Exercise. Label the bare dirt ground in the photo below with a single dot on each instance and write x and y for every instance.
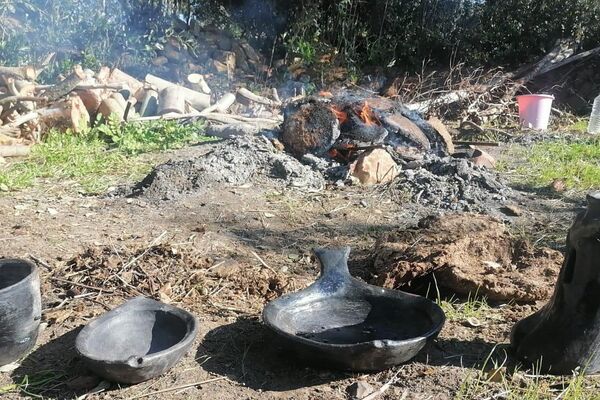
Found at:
(222, 253)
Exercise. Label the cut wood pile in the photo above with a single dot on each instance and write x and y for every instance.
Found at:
(28, 110)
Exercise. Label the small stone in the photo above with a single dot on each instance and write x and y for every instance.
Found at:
(375, 166)
(511, 211)
(413, 164)
(226, 268)
(52, 211)
(3, 188)
(359, 390)
(558, 186)
(159, 61)
(278, 145)
(83, 383)
(483, 159)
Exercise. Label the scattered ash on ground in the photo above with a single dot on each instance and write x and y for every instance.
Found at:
(452, 184)
(443, 183)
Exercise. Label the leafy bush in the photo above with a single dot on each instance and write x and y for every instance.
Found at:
(88, 32)
(141, 137)
(409, 32)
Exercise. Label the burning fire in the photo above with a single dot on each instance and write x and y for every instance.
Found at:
(366, 114)
(340, 115)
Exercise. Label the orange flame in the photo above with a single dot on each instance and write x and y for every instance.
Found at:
(366, 114)
(340, 115)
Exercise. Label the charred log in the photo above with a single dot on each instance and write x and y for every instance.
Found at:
(310, 126)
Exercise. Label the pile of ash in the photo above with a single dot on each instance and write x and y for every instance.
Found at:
(233, 162)
(452, 184)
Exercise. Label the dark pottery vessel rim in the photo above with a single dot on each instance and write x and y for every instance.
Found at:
(379, 343)
(152, 305)
(23, 281)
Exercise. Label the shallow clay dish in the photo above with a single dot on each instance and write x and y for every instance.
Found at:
(344, 323)
(136, 341)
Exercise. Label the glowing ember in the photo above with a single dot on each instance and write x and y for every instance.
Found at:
(366, 114)
(340, 115)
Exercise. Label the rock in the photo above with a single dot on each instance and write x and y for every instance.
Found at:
(441, 129)
(160, 61)
(359, 390)
(558, 186)
(483, 159)
(512, 210)
(226, 268)
(375, 166)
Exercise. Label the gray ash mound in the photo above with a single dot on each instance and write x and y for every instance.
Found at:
(444, 183)
(453, 184)
(233, 162)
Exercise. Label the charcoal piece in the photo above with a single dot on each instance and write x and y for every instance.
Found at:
(309, 126)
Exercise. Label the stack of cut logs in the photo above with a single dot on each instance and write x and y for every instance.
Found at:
(28, 110)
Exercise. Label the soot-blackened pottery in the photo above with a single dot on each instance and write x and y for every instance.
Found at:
(20, 308)
(137, 341)
(343, 323)
(564, 335)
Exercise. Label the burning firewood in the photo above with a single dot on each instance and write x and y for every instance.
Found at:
(310, 126)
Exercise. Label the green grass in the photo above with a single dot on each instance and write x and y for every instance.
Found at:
(579, 126)
(99, 158)
(577, 164)
(494, 381)
(473, 307)
(34, 385)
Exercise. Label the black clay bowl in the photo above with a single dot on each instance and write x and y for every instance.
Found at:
(136, 341)
(343, 323)
(20, 308)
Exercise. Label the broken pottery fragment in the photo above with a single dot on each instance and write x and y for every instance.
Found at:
(565, 333)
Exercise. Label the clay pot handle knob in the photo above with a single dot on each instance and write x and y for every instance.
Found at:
(334, 262)
(135, 361)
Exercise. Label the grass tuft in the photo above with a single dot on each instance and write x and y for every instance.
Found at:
(100, 157)
(577, 164)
